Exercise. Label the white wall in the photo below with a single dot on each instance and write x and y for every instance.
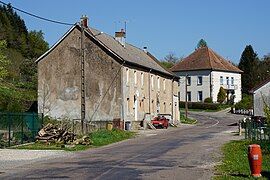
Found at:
(216, 84)
(263, 92)
(194, 87)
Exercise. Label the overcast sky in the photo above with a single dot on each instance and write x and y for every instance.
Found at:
(163, 25)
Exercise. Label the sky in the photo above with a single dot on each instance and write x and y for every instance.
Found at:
(163, 26)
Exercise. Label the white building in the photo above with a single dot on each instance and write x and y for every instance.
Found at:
(206, 72)
(261, 95)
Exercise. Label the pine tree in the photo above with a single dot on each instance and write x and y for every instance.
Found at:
(202, 43)
(249, 64)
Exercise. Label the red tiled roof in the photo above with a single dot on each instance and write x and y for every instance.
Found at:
(205, 59)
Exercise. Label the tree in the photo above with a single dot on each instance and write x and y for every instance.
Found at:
(3, 60)
(202, 43)
(221, 95)
(169, 60)
(37, 44)
(249, 64)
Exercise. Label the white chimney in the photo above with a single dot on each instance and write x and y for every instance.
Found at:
(84, 21)
(145, 49)
(121, 37)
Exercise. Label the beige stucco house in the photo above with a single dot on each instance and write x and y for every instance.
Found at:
(112, 80)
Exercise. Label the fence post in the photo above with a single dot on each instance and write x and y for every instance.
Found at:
(33, 127)
(22, 129)
(9, 128)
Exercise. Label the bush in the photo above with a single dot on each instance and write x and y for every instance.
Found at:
(208, 100)
(245, 103)
(221, 95)
(200, 105)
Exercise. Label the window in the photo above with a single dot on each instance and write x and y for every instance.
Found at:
(127, 72)
(164, 84)
(142, 79)
(188, 80)
(227, 80)
(128, 106)
(135, 77)
(200, 96)
(221, 80)
(199, 80)
(158, 83)
(152, 81)
(232, 80)
(188, 96)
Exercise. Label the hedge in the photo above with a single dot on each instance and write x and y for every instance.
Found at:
(200, 105)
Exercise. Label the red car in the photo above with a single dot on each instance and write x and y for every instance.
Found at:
(160, 121)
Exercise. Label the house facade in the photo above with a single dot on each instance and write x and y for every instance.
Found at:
(204, 72)
(261, 96)
(106, 79)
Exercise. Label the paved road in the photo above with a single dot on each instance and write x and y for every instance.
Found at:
(188, 152)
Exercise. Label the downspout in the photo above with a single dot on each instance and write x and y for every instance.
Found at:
(172, 101)
(149, 89)
(122, 94)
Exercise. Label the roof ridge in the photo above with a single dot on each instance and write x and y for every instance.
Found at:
(210, 62)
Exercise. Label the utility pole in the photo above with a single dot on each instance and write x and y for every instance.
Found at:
(82, 74)
(186, 103)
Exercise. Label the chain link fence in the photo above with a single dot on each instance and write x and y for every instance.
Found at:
(19, 128)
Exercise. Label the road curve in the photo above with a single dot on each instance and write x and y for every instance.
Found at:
(188, 152)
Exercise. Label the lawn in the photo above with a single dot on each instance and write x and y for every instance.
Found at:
(235, 161)
(98, 138)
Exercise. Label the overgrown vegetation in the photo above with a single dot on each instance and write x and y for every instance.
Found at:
(221, 95)
(98, 138)
(208, 100)
(19, 48)
(245, 103)
(235, 161)
(204, 106)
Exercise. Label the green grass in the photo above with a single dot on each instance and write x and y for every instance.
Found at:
(99, 138)
(235, 161)
(185, 120)
(104, 137)
(220, 108)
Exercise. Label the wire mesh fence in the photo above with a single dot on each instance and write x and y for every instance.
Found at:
(19, 128)
(257, 129)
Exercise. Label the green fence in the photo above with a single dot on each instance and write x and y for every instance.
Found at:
(19, 128)
(256, 130)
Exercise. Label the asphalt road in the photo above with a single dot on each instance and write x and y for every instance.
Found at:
(188, 152)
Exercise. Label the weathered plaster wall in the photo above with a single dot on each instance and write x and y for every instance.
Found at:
(59, 82)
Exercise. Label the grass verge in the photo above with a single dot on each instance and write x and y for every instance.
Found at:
(99, 138)
(235, 161)
(185, 120)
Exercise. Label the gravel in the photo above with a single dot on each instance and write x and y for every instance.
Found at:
(11, 158)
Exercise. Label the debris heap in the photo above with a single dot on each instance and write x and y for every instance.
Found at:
(53, 133)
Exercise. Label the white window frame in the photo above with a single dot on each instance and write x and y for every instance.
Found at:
(189, 93)
(188, 80)
(152, 81)
(232, 80)
(135, 77)
(127, 75)
(198, 80)
(221, 80)
(200, 92)
(142, 79)
(158, 83)
(164, 84)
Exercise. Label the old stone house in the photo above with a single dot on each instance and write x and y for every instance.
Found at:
(205, 72)
(112, 80)
(261, 96)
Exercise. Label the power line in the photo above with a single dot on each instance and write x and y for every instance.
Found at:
(38, 17)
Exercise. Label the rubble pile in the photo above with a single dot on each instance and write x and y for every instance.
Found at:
(53, 133)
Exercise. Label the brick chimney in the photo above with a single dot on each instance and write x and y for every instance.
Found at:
(121, 37)
(84, 21)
